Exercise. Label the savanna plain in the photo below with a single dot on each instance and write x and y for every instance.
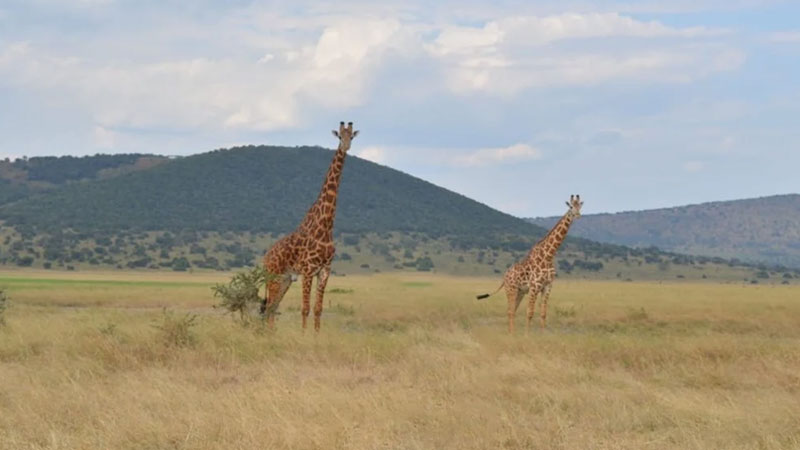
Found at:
(141, 360)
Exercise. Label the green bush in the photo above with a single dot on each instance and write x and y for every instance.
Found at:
(240, 295)
(180, 264)
(424, 264)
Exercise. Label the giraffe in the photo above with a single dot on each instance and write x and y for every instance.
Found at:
(308, 250)
(535, 273)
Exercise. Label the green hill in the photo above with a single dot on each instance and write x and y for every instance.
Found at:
(259, 189)
(24, 177)
(763, 229)
(222, 209)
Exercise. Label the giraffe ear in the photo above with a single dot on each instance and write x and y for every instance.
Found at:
(335, 133)
(355, 133)
(568, 204)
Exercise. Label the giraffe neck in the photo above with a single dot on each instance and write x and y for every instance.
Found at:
(321, 214)
(549, 244)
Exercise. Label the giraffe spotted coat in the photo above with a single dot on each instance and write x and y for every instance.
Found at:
(535, 274)
(309, 250)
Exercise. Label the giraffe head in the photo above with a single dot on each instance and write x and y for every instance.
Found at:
(574, 204)
(345, 135)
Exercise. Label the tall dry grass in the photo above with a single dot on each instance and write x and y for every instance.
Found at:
(403, 361)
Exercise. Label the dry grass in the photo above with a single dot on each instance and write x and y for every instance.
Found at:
(403, 361)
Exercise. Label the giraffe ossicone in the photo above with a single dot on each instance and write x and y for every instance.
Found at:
(308, 250)
(534, 275)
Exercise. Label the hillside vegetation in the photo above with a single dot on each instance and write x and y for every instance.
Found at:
(259, 189)
(26, 176)
(763, 229)
(222, 209)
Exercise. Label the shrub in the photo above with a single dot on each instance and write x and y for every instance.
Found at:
(25, 261)
(180, 264)
(240, 295)
(424, 264)
(176, 331)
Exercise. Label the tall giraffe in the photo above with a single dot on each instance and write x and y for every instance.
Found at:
(535, 273)
(308, 250)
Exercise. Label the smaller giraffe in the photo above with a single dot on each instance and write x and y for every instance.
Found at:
(535, 274)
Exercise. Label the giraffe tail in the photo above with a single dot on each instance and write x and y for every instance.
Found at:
(483, 296)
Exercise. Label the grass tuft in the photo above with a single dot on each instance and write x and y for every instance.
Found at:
(566, 311)
(636, 315)
(340, 291)
(176, 331)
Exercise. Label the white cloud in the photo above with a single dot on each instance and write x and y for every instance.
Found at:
(785, 37)
(332, 71)
(338, 69)
(459, 40)
(104, 138)
(502, 76)
(263, 70)
(266, 58)
(511, 54)
(537, 31)
(728, 142)
(694, 166)
(501, 155)
(374, 154)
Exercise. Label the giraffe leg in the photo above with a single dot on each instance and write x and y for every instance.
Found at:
(307, 279)
(271, 301)
(322, 281)
(513, 296)
(520, 296)
(531, 306)
(545, 297)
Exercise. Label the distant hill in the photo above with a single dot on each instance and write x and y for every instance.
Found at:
(222, 209)
(259, 189)
(763, 229)
(24, 177)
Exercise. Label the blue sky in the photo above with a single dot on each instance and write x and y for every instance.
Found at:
(632, 104)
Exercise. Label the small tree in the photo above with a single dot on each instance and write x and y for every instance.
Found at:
(240, 295)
